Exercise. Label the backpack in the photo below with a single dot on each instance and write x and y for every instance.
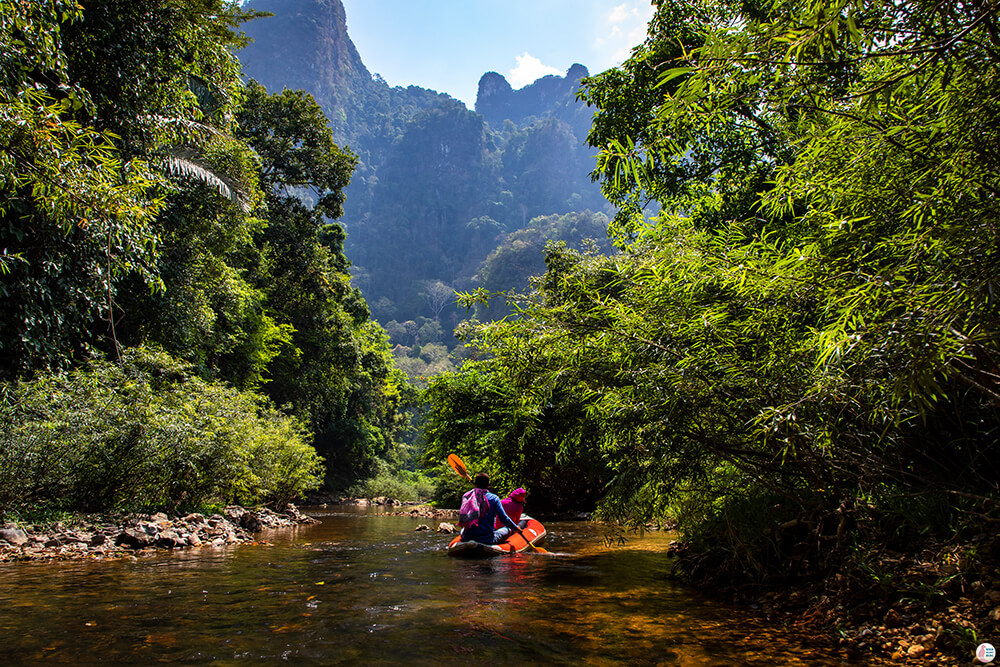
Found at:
(473, 506)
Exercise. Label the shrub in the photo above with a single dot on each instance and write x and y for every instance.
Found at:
(146, 434)
(396, 484)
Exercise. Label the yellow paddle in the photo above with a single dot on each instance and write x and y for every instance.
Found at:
(458, 465)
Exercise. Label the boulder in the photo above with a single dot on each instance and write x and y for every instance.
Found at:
(445, 527)
(78, 536)
(168, 539)
(148, 528)
(243, 518)
(13, 535)
(134, 538)
(422, 526)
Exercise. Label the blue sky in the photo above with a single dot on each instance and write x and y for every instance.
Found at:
(446, 45)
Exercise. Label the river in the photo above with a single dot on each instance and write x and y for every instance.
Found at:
(359, 588)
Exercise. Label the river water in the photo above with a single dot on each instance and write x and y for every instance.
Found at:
(359, 588)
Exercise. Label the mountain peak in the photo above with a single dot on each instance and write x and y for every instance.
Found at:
(497, 101)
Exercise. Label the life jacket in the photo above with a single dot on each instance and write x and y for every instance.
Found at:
(473, 506)
(513, 508)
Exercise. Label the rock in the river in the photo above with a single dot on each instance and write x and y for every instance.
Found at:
(168, 539)
(445, 527)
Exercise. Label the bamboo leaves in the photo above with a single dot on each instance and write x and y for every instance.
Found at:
(817, 285)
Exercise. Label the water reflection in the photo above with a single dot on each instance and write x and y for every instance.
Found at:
(360, 588)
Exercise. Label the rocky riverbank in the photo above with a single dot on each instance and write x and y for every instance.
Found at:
(934, 606)
(102, 537)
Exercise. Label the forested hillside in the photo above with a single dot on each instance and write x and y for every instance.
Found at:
(438, 186)
(150, 217)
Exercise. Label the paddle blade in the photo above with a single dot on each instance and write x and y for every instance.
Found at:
(458, 466)
(530, 545)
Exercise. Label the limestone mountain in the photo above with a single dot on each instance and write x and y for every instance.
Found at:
(549, 96)
(438, 186)
(304, 45)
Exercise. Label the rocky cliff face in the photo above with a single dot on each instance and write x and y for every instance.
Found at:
(497, 101)
(437, 184)
(305, 46)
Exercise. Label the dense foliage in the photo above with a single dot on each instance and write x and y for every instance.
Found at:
(520, 255)
(146, 434)
(805, 335)
(149, 196)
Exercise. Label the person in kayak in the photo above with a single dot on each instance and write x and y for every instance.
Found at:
(482, 530)
(513, 505)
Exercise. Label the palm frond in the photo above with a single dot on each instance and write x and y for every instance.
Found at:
(185, 161)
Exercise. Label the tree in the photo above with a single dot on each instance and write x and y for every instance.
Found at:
(805, 330)
(150, 197)
(76, 215)
(162, 76)
(520, 256)
(437, 295)
(336, 371)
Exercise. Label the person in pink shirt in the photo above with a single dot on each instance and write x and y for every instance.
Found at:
(513, 505)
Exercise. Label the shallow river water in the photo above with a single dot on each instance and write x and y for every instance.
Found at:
(365, 589)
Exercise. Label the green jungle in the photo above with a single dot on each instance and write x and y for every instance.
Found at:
(783, 339)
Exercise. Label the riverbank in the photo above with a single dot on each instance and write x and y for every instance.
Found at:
(114, 537)
(934, 606)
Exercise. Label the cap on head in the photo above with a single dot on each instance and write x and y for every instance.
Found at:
(519, 494)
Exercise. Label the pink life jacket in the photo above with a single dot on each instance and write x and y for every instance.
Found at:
(513, 510)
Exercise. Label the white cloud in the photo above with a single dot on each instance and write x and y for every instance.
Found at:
(529, 69)
(621, 13)
(625, 27)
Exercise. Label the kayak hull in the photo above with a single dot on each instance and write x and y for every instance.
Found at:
(515, 543)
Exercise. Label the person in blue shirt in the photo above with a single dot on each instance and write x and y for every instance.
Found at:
(482, 530)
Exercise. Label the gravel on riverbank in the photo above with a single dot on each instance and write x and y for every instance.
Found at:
(106, 538)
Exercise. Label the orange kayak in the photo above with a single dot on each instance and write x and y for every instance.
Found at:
(515, 543)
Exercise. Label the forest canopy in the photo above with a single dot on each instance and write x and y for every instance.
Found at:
(152, 203)
(801, 322)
